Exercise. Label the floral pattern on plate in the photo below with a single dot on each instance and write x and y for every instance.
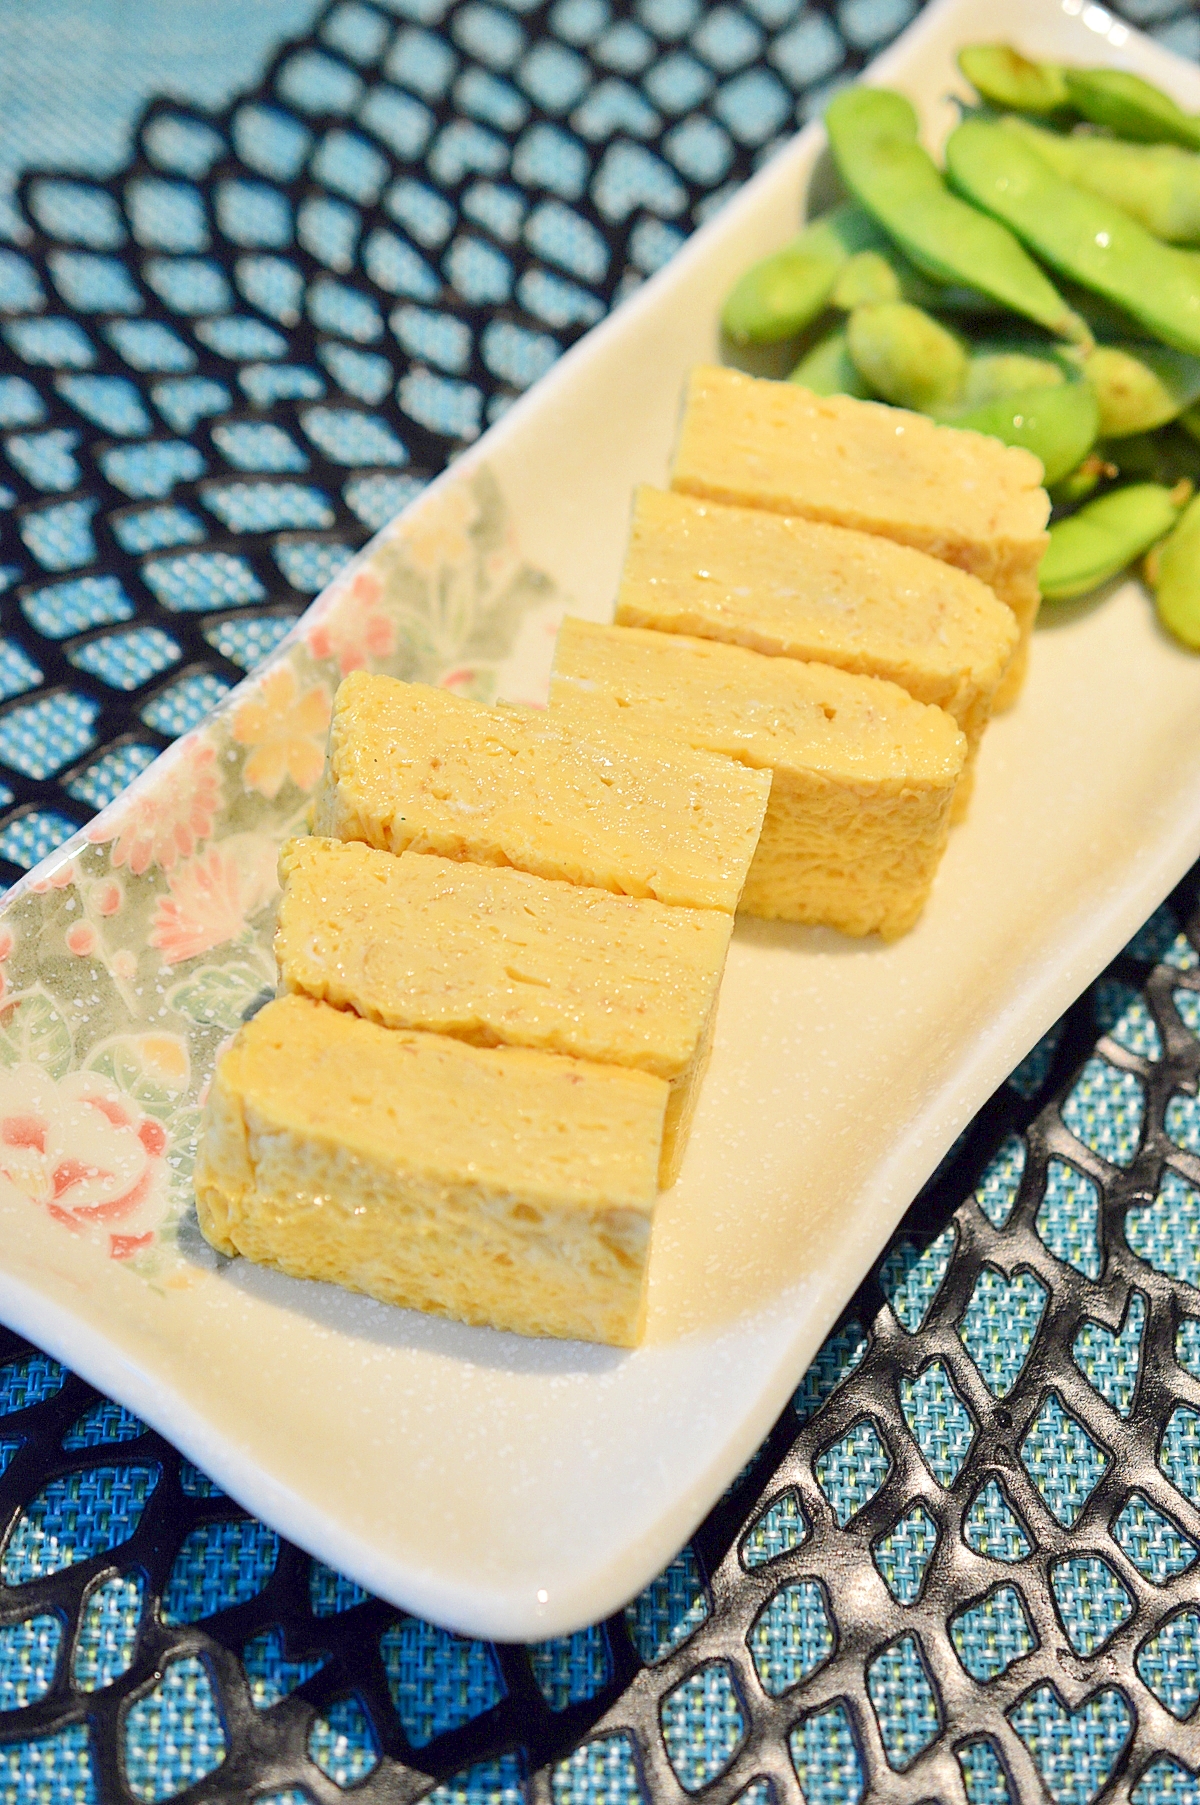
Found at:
(129, 959)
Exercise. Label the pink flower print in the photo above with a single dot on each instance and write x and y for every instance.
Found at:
(6, 946)
(356, 629)
(204, 908)
(123, 1247)
(460, 680)
(86, 938)
(85, 1153)
(163, 824)
(57, 880)
(286, 731)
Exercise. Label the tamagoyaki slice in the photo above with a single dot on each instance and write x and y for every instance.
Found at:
(863, 777)
(493, 1184)
(794, 588)
(958, 496)
(413, 768)
(496, 957)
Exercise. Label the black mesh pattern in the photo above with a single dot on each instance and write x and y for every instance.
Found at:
(411, 217)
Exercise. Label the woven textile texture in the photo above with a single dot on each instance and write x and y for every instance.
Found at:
(966, 1561)
(234, 359)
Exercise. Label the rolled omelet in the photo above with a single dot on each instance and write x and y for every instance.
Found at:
(495, 1185)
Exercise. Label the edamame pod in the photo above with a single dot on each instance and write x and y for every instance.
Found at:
(993, 374)
(1130, 107)
(1006, 78)
(829, 369)
(865, 277)
(1158, 184)
(1173, 573)
(1057, 424)
(1140, 387)
(953, 297)
(941, 297)
(1078, 233)
(906, 355)
(1098, 542)
(781, 294)
(873, 135)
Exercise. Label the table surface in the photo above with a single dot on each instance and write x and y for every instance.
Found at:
(963, 1562)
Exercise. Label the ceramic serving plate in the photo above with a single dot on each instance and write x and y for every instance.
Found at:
(510, 1488)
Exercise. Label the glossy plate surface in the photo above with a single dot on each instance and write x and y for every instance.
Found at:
(508, 1488)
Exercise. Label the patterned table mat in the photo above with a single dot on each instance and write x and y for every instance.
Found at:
(963, 1564)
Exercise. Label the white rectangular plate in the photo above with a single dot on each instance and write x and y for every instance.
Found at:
(520, 1489)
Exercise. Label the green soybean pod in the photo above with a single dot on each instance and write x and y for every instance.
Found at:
(1077, 233)
(829, 369)
(1140, 387)
(994, 373)
(906, 355)
(781, 294)
(862, 278)
(938, 297)
(1103, 538)
(1173, 572)
(1158, 184)
(865, 277)
(1131, 107)
(1058, 424)
(873, 135)
(1007, 79)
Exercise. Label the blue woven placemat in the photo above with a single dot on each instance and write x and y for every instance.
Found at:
(964, 1563)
